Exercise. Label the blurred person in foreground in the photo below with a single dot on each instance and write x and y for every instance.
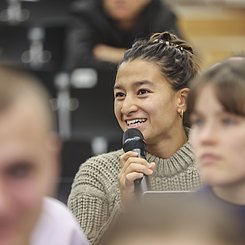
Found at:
(29, 166)
(150, 94)
(179, 222)
(217, 113)
(103, 29)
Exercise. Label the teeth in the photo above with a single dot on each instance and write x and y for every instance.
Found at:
(135, 121)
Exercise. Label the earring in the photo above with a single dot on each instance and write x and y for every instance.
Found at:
(181, 113)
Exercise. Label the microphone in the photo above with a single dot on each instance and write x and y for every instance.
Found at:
(133, 140)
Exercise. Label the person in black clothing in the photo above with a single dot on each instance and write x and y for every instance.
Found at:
(217, 113)
(103, 29)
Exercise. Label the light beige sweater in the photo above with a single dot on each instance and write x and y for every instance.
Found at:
(95, 195)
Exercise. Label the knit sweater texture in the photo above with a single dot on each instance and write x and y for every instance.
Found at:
(95, 194)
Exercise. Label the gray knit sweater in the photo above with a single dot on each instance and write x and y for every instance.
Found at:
(95, 195)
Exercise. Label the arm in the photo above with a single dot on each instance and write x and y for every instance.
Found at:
(91, 213)
(94, 198)
(108, 53)
(82, 51)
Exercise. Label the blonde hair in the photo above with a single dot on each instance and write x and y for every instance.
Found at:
(18, 83)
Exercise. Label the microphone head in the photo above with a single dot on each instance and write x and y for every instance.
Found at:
(133, 139)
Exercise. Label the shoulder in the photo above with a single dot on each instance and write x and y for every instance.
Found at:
(162, 9)
(164, 17)
(81, 7)
(57, 225)
(88, 11)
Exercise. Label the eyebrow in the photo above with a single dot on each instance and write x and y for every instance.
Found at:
(218, 113)
(136, 84)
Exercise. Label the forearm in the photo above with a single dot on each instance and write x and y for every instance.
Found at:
(94, 198)
(108, 53)
(94, 211)
(91, 213)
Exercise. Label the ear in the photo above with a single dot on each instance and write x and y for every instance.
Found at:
(182, 95)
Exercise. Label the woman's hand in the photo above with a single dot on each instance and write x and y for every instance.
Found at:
(132, 168)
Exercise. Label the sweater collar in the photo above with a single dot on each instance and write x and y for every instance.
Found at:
(179, 161)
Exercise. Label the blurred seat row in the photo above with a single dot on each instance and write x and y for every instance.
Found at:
(33, 34)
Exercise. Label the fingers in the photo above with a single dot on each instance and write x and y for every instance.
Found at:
(131, 157)
(152, 166)
(132, 168)
(133, 172)
(124, 157)
(131, 177)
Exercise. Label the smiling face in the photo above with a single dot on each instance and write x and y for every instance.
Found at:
(218, 140)
(28, 170)
(145, 100)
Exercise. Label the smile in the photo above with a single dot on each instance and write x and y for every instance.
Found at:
(135, 122)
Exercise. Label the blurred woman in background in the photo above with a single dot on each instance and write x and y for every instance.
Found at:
(217, 113)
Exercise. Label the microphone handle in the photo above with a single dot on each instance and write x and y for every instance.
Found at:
(142, 184)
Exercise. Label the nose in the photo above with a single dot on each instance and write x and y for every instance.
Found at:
(129, 105)
(208, 134)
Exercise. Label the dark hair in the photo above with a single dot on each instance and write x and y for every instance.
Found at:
(175, 57)
(228, 81)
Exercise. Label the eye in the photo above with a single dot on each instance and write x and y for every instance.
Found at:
(227, 121)
(19, 170)
(196, 121)
(119, 95)
(143, 91)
